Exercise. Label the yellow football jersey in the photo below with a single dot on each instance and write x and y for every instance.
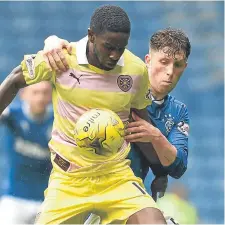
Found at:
(84, 87)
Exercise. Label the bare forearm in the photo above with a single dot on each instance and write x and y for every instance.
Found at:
(165, 150)
(10, 87)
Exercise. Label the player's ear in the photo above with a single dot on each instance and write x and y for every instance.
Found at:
(91, 36)
(147, 59)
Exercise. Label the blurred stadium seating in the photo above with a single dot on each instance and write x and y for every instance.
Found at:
(24, 26)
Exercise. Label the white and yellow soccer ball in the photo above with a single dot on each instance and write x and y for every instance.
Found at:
(100, 131)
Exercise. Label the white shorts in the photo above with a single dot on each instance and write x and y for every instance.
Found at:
(17, 210)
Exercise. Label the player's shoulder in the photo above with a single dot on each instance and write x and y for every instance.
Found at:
(133, 62)
(176, 103)
(15, 106)
(74, 48)
(78, 53)
(12, 112)
(177, 107)
(79, 46)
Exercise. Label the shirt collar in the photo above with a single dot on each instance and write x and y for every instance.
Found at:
(158, 102)
(81, 52)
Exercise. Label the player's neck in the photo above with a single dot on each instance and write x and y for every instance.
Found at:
(34, 115)
(37, 116)
(157, 96)
(27, 110)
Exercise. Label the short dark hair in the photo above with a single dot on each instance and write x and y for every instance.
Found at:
(175, 39)
(110, 18)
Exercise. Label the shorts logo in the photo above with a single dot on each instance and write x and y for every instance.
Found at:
(124, 82)
(30, 66)
(61, 162)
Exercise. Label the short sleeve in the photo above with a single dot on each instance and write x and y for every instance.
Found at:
(35, 69)
(8, 115)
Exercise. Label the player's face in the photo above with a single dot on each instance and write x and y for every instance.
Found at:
(164, 71)
(38, 96)
(108, 47)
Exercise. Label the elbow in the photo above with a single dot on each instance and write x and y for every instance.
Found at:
(179, 166)
(12, 81)
(178, 171)
(18, 79)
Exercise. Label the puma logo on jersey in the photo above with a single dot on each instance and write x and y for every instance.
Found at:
(75, 77)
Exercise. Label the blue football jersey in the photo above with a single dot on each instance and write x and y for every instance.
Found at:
(170, 116)
(28, 157)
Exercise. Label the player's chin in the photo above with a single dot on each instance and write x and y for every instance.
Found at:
(166, 88)
(110, 66)
(39, 110)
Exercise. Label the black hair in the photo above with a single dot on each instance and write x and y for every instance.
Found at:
(110, 18)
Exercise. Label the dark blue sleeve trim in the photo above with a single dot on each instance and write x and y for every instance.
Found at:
(179, 166)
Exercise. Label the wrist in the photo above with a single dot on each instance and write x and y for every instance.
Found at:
(156, 135)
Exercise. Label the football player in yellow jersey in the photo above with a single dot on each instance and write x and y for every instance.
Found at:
(102, 73)
(169, 67)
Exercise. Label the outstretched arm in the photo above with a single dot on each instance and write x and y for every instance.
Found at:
(10, 87)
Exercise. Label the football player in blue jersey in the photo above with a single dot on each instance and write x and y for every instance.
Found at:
(29, 123)
(168, 132)
(167, 59)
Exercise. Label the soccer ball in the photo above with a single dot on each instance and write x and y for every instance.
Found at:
(100, 131)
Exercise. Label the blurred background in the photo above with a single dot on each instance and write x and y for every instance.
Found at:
(25, 25)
